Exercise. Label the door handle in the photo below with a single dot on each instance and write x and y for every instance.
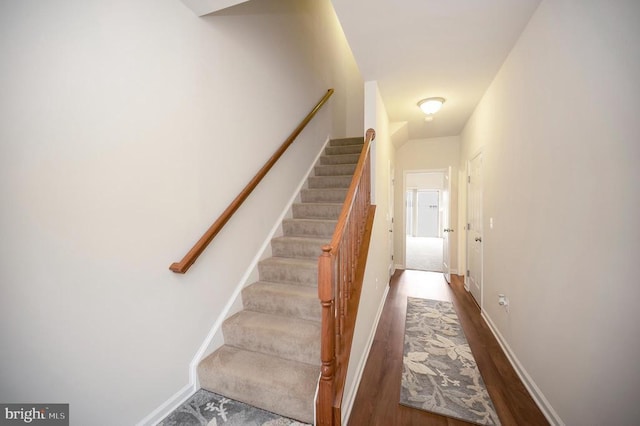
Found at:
(479, 239)
(448, 230)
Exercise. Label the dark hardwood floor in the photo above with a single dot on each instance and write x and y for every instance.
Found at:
(377, 399)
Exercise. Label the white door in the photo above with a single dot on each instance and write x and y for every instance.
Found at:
(474, 228)
(446, 220)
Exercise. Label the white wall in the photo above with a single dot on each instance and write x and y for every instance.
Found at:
(376, 278)
(559, 131)
(421, 155)
(419, 180)
(125, 129)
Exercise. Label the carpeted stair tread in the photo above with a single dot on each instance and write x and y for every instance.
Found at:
(289, 270)
(315, 228)
(300, 247)
(323, 195)
(326, 160)
(324, 211)
(271, 383)
(292, 300)
(329, 181)
(274, 335)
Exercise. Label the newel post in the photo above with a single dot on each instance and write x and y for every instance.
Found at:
(326, 388)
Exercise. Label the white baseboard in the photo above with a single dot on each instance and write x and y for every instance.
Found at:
(351, 395)
(552, 417)
(169, 405)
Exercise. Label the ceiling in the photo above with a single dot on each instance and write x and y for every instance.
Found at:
(422, 48)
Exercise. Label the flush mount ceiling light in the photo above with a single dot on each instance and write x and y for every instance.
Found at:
(431, 105)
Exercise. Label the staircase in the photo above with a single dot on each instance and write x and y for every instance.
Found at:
(271, 355)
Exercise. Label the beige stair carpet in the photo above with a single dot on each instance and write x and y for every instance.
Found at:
(271, 355)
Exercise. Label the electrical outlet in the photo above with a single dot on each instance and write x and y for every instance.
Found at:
(503, 301)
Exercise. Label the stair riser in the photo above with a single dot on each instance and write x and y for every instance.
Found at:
(316, 182)
(248, 377)
(339, 150)
(322, 229)
(260, 299)
(326, 195)
(335, 170)
(288, 274)
(313, 211)
(346, 141)
(339, 159)
(297, 249)
(270, 342)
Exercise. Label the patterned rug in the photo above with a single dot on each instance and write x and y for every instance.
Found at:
(206, 408)
(440, 374)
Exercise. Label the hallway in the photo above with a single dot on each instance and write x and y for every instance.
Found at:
(377, 399)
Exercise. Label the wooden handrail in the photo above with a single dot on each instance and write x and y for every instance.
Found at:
(199, 247)
(340, 276)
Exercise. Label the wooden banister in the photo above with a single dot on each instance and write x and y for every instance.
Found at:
(340, 276)
(199, 247)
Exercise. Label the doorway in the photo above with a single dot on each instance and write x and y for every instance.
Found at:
(423, 220)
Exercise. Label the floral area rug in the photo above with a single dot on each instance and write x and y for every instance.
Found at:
(206, 408)
(440, 374)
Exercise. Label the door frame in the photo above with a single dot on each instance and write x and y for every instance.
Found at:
(447, 225)
(466, 228)
(404, 205)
